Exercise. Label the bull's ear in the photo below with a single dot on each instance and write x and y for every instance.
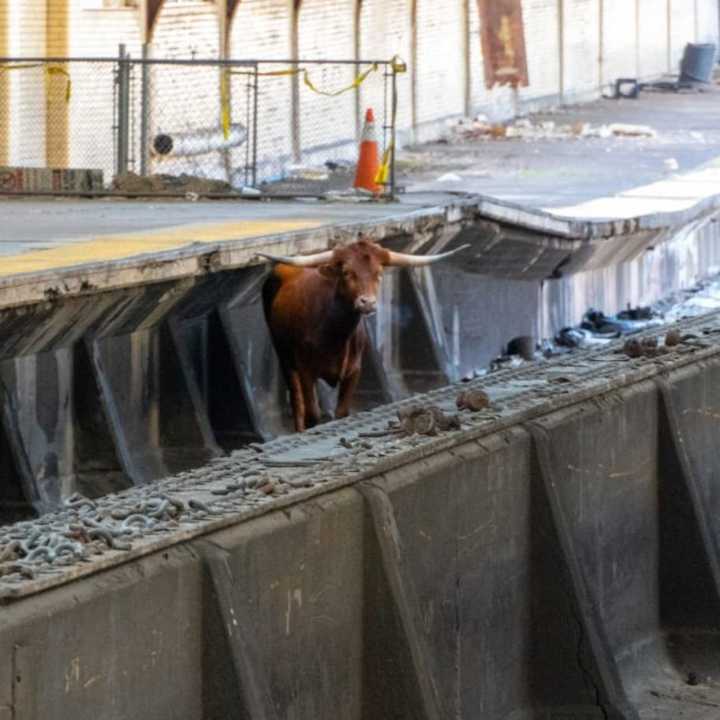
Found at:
(329, 270)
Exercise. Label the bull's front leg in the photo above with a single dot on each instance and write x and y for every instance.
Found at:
(346, 392)
(310, 398)
(297, 400)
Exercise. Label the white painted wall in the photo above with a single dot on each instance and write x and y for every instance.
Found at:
(27, 87)
(573, 47)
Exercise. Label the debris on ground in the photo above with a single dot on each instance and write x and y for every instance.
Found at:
(449, 177)
(480, 128)
(426, 420)
(599, 325)
(651, 346)
(524, 346)
(638, 313)
(472, 400)
(131, 182)
(331, 179)
(597, 329)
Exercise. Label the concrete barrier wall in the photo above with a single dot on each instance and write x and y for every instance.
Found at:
(562, 569)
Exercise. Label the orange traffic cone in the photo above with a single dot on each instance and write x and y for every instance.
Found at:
(369, 159)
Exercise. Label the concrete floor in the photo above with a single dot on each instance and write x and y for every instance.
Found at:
(39, 224)
(36, 235)
(561, 172)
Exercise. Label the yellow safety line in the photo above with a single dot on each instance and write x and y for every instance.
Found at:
(103, 248)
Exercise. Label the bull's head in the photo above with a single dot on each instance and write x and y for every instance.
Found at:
(357, 268)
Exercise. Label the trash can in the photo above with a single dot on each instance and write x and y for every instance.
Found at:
(698, 62)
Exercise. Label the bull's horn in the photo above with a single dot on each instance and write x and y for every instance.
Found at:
(301, 260)
(404, 260)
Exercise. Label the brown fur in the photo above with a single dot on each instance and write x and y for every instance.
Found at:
(316, 327)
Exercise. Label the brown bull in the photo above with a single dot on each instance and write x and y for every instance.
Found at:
(314, 305)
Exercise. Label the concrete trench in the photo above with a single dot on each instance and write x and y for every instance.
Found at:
(560, 562)
(557, 558)
(103, 391)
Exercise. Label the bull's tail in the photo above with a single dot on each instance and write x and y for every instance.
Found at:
(270, 289)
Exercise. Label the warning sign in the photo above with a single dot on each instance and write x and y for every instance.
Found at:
(502, 33)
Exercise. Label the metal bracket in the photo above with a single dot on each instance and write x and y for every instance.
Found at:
(612, 694)
(251, 681)
(405, 599)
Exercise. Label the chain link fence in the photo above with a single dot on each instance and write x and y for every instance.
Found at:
(141, 126)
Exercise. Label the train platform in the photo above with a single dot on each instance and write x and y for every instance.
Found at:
(576, 188)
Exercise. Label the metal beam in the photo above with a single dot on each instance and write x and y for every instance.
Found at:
(151, 10)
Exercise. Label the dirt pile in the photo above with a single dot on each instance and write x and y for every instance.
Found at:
(152, 184)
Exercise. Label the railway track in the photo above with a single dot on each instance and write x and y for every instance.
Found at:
(88, 535)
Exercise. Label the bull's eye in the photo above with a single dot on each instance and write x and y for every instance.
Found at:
(348, 274)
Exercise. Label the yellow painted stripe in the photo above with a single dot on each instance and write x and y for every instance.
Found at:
(103, 248)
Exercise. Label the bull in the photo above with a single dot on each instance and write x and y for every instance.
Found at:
(314, 305)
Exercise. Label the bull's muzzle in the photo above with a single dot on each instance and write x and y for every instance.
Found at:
(366, 304)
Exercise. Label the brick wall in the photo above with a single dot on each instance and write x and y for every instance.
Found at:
(26, 22)
(440, 71)
(653, 38)
(384, 30)
(619, 55)
(581, 48)
(326, 30)
(542, 41)
(263, 29)
(682, 28)
(707, 21)
(573, 47)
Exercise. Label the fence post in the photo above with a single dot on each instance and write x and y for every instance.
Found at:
(145, 111)
(393, 128)
(123, 109)
(256, 90)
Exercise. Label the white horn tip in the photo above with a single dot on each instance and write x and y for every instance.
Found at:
(461, 248)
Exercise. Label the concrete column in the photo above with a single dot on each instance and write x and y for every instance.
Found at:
(637, 39)
(357, 54)
(561, 48)
(56, 105)
(224, 10)
(149, 11)
(467, 82)
(601, 44)
(4, 84)
(413, 65)
(669, 35)
(295, 106)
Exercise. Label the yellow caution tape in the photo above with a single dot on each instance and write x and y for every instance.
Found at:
(225, 116)
(50, 71)
(277, 73)
(56, 70)
(356, 83)
(270, 73)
